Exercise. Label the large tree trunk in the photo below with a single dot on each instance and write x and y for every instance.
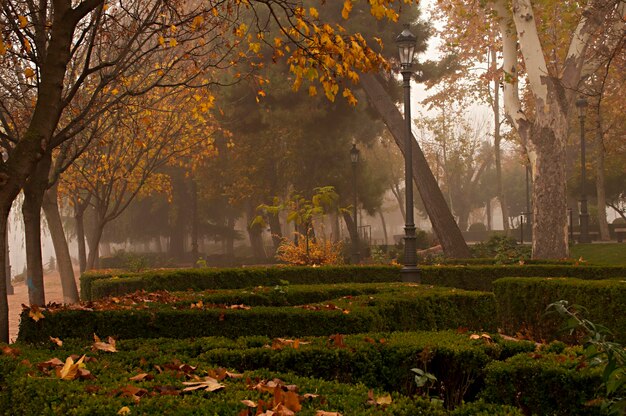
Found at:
(94, 244)
(600, 187)
(4, 302)
(549, 195)
(34, 189)
(444, 226)
(64, 261)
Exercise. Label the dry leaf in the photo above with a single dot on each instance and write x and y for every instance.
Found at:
(142, 377)
(13, 352)
(325, 413)
(56, 341)
(99, 345)
(70, 369)
(124, 411)
(249, 403)
(208, 384)
(384, 400)
(35, 313)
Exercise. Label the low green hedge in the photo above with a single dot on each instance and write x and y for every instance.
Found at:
(96, 285)
(23, 395)
(522, 304)
(377, 360)
(543, 384)
(406, 308)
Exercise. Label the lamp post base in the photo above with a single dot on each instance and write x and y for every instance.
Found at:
(410, 274)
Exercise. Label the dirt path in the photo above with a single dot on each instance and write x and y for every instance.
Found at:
(52, 282)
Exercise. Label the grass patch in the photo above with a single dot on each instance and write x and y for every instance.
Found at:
(609, 254)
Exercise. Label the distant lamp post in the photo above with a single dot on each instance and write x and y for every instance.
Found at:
(354, 158)
(406, 42)
(581, 104)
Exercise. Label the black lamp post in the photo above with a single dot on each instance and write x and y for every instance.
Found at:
(354, 158)
(406, 47)
(581, 104)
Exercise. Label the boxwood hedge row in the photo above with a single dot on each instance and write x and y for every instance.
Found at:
(411, 308)
(522, 304)
(544, 384)
(96, 285)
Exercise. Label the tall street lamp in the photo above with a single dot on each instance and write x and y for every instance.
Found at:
(581, 104)
(354, 157)
(406, 47)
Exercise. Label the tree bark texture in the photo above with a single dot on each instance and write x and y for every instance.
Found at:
(444, 226)
(80, 239)
(64, 261)
(34, 190)
(94, 245)
(4, 302)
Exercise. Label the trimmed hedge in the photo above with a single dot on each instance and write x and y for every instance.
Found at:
(522, 304)
(96, 285)
(407, 308)
(25, 390)
(543, 384)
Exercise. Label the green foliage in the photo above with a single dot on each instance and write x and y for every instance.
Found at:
(401, 307)
(134, 262)
(522, 303)
(378, 360)
(98, 284)
(543, 384)
(599, 352)
(21, 394)
(609, 254)
(477, 227)
(480, 408)
(504, 249)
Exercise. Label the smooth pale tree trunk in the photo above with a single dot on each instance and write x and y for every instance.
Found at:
(34, 190)
(444, 225)
(64, 261)
(600, 179)
(497, 139)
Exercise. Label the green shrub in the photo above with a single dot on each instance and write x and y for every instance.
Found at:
(403, 307)
(101, 285)
(522, 304)
(480, 408)
(470, 277)
(543, 384)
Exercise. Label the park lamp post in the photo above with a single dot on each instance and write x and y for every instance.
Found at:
(406, 47)
(581, 104)
(354, 158)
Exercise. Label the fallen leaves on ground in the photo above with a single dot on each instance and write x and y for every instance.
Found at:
(485, 337)
(280, 343)
(69, 371)
(13, 352)
(56, 341)
(207, 384)
(378, 401)
(142, 377)
(99, 345)
(34, 312)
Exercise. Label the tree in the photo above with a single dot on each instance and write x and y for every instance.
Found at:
(60, 56)
(545, 48)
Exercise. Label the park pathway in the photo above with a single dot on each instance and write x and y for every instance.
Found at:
(52, 282)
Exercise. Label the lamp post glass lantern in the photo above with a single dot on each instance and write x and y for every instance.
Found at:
(406, 42)
(581, 104)
(354, 158)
